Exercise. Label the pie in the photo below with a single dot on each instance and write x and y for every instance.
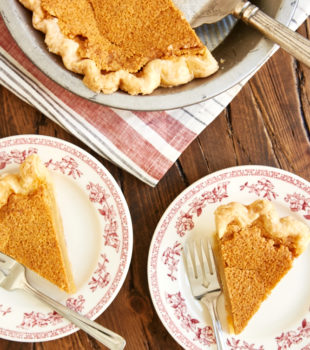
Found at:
(255, 249)
(133, 45)
(30, 224)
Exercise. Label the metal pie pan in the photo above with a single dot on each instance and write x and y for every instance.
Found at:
(243, 50)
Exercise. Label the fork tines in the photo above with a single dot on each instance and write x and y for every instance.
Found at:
(200, 266)
(203, 279)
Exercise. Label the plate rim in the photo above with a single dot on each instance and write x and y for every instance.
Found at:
(70, 328)
(170, 207)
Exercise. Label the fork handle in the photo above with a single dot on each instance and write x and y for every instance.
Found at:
(217, 328)
(110, 339)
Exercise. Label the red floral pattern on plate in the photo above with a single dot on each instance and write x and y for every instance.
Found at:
(97, 194)
(101, 276)
(237, 344)
(299, 202)
(15, 156)
(292, 337)
(170, 258)
(262, 188)
(76, 304)
(67, 166)
(38, 319)
(185, 221)
(4, 311)
(204, 335)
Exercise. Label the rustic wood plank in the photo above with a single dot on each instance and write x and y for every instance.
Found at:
(18, 115)
(147, 204)
(276, 94)
(303, 75)
(217, 143)
(9, 345)
(192, 163)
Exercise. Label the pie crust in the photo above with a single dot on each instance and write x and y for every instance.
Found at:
(255, 249)
(168, 71)
(31, 229)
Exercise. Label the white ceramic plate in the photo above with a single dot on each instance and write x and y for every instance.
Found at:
(283, 321)
(98, 233)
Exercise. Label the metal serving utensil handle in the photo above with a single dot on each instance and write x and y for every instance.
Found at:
(110, 339)
(294, 43)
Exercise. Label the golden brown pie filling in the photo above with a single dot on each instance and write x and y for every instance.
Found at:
(31, 228)
(124, 35)
(255, 250)
(135, 45)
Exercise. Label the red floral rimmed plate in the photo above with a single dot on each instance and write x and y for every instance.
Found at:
(283, 321)
(98, 232)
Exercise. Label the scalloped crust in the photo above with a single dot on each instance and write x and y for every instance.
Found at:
(159, 72)
(286, 229)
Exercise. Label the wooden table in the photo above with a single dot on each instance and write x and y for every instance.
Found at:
(268, 123)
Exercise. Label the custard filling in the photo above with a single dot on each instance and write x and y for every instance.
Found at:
(124, 35)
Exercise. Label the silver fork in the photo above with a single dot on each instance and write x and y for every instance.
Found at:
(12, 277)
(203, 279)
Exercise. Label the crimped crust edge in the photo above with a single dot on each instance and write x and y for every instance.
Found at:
(159, 72)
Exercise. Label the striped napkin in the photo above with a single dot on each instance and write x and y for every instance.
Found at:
(146, 144)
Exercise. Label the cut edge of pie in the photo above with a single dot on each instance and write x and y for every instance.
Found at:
(31, 229)
(167, 72)
(255, 248)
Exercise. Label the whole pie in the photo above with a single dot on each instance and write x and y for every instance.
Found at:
(133, 45)
(30, 224)
(255, 250)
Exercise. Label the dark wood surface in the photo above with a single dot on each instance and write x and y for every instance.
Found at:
(268, 123)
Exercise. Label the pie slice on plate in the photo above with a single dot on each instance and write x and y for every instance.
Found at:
(133, 45)
(255, 250)
(30, 224)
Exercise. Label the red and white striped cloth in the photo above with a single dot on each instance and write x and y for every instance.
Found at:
(146, 144)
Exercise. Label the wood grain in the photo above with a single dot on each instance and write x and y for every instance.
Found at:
(268, 123)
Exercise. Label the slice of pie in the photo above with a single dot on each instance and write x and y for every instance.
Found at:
(133, 45)
(30, 224)
(255, 249)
